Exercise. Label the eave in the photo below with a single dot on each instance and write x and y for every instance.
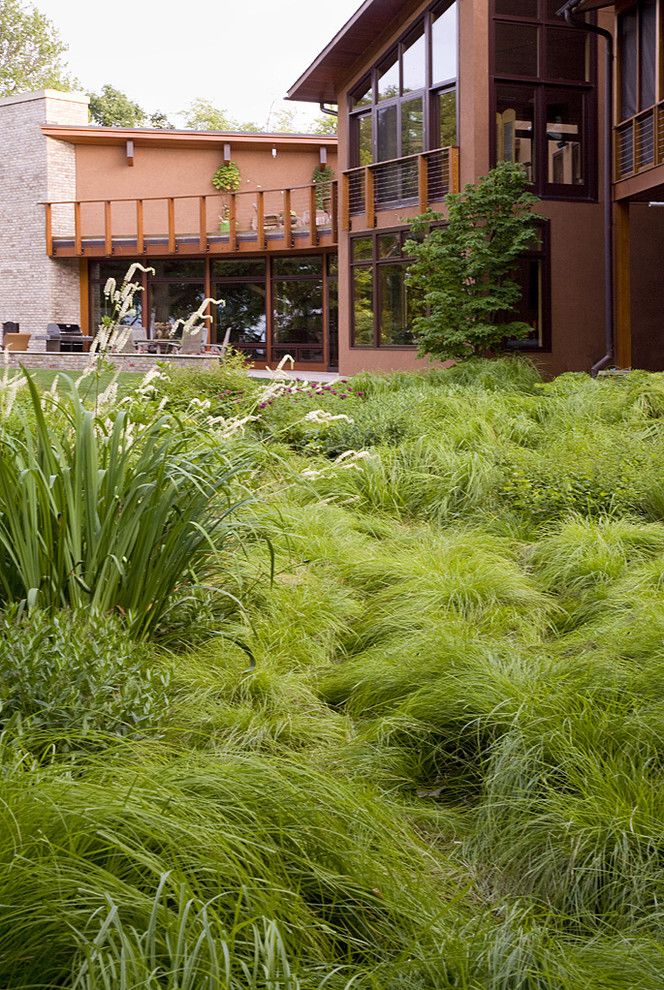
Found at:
(185, 139)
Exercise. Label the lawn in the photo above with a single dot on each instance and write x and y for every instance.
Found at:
(326, 687)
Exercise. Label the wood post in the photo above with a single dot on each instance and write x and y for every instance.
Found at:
(335, 212)
(622, 289)
(453, 166)
(140, 227)
(313, 210)
(260, 219)
(202, 224)
(78, 240)
(232, 223)
(171, 225)
(423, 182)
(49, 229)
(108, 227)
(345, 202)
(287, 219)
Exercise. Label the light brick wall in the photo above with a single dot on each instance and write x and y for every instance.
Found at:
(34, 289)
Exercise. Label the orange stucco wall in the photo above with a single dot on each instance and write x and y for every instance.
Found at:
(103, 173)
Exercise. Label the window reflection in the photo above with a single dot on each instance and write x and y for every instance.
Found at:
(243, 313)
(363, 314)
(515, 117)
(393, 305)
(412, 127)
(414, 62)
(516, 49)
(387, 147)
(444, 45)
(388, 78)
(564, 121)
(447, 118)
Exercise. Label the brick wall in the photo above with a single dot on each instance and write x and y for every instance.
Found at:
(34, 289)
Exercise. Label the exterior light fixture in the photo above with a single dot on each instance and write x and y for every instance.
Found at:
(274, 152)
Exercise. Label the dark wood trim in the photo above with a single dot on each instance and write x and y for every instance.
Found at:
(622, 287)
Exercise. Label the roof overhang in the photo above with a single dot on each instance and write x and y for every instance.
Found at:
(581, 6)
(373, 20)
(185, 139)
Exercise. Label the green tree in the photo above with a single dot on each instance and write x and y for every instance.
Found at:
(463, 268)
(113, 108)
(160, 121)
(31, 51)
(325, 124)
(202, 115)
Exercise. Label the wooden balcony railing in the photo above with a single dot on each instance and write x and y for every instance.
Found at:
(417, 180)
(263, 219)
(639, 143)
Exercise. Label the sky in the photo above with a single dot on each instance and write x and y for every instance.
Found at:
(241, 55)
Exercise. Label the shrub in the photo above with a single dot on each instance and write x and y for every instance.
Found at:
(68, 679)
(112, 515)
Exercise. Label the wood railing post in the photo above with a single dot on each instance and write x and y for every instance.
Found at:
(369, 198)
(232, 223)
(423, 182)
(335, 212)
(260, 219)
(140, 227)
(287, 218)
(313, 210)
(345, 202)
(202, 224)
(108, 227)
(453, 166)
(78, 241)
(171, 225)
(49, 229)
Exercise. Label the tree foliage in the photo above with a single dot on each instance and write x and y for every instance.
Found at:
(202, 115)
(113, 108)
(31, 51)
(463, 269)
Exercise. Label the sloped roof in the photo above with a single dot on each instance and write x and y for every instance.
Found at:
(322, 80)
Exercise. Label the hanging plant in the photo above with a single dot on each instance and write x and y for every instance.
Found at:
(227, 177)
(322, 179)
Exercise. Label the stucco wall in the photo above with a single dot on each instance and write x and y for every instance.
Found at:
(34, 290)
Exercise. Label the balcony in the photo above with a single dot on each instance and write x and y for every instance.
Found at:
(639, 143)
(418, 181)
(220, 223)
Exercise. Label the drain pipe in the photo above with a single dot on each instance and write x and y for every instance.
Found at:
(568, 12)
(328, 110)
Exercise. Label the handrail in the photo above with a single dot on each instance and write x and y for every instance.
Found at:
(268, 217)
(154, 199)
(420, 179)
(639, 142)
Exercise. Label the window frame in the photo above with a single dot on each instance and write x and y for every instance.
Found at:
(544, 88)
(541, 253)
(374, 263)
(621, 10)
(428, 92)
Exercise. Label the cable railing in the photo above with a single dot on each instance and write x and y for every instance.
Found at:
(639, 143)
(416, 180)
(262, 219)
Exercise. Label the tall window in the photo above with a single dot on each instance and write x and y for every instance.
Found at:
(637, 59)
(382, 307)
(241, 284)
(544, 97)
(297, 292)
(407, 103)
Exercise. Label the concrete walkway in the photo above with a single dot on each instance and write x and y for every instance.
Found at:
(303, 376)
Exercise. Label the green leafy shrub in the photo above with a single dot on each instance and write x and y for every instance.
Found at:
(67, 679)
(113, 515)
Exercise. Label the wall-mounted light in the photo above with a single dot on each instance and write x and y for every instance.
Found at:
(274, 152)
(227, 152)
(130, 152)
(323, 156)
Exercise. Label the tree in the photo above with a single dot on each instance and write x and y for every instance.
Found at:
(31, 51)
(113, 108)
(202, 115)
(325, 124)
(160, 121)
(463, 269)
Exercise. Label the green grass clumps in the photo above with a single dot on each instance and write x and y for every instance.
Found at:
(393, 722)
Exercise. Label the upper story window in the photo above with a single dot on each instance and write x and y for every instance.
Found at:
(407, 103)
(544, 97)
(637, 58)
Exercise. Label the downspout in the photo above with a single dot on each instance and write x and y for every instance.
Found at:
(568, 12)
(328, 110)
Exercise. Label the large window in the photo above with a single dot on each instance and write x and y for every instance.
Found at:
(240, 283)
(297, 290)
(407, 103)
(637, 41)
(544, 97)
(534, 307)
(177, 289)
(382, 308)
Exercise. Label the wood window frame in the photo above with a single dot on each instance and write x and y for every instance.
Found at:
(543, 88)
(428, 92)
(625, 7)
(542, 253)
(374, 264)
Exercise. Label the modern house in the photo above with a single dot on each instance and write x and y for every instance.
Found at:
(429, 96)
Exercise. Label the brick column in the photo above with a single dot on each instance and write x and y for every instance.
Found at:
(34, 289)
